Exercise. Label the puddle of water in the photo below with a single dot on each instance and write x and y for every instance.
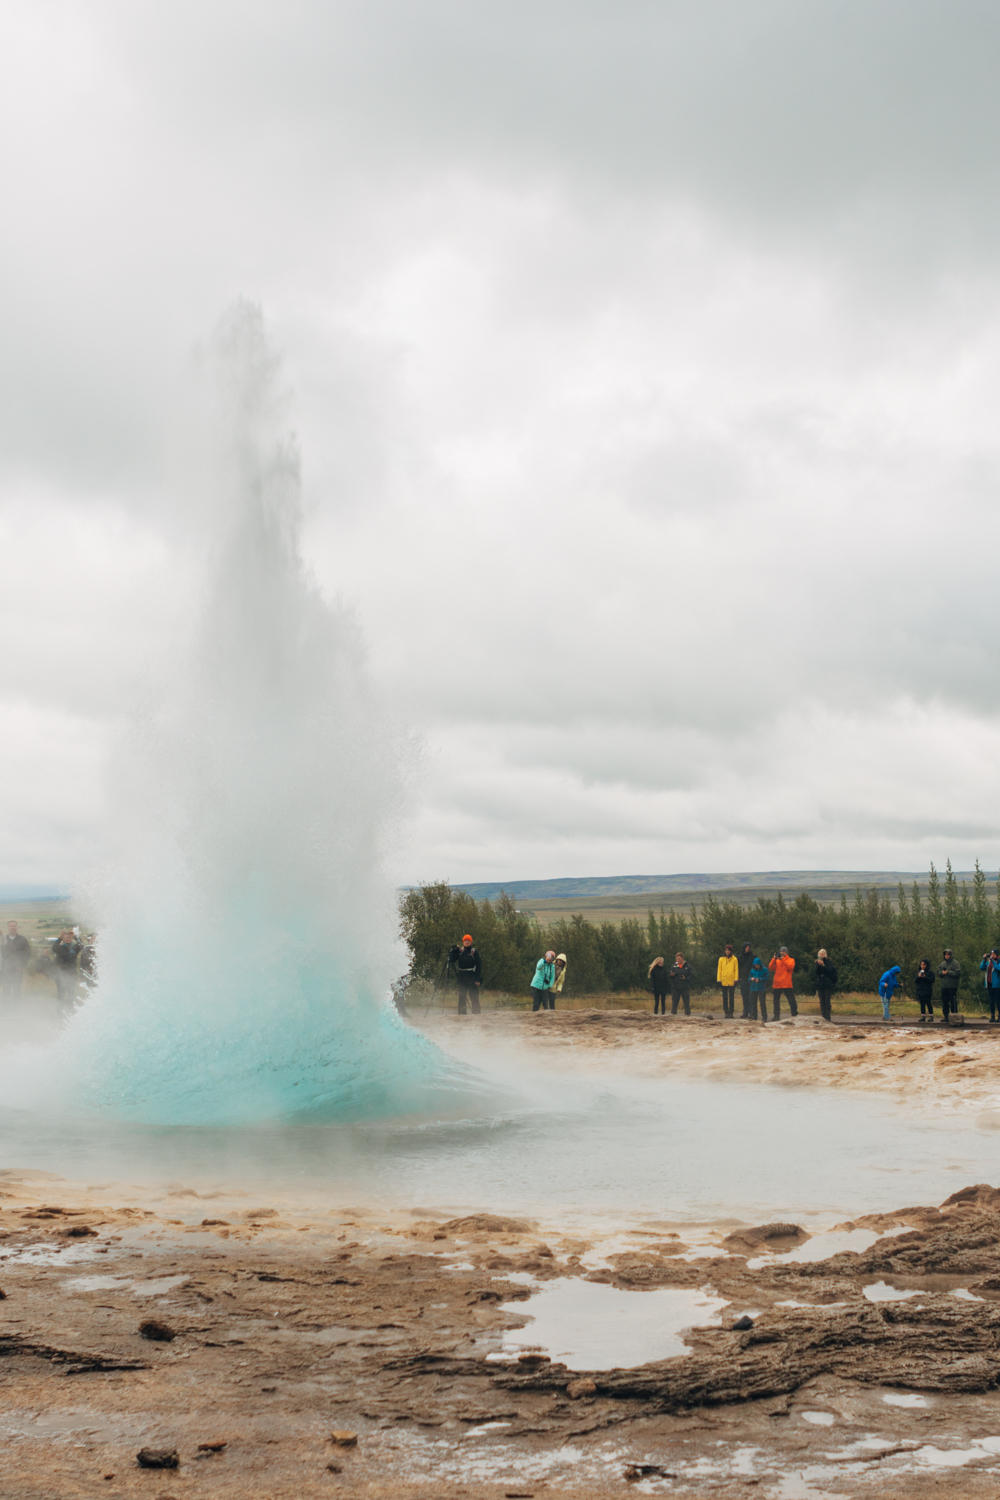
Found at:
(157, 1285)
(47, 1255)
(967, 1296)
(881, 1291)
(947, 1458)
(94, 1283)
(818, 1418)
(988, 1444)
(908, 1400)
(821, 1246)
(587, 1325)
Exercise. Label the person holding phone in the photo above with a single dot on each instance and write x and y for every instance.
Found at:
(923, 987)
(826, 978)
(782, 969)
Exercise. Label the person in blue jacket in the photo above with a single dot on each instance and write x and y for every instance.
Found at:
(541, 985)
(887, 986)
(760, 978)
(990, 967)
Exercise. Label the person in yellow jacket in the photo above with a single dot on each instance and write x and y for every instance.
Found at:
(556, 986)
(727, 974)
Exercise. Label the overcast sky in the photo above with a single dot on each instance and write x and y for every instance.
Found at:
(645, 361)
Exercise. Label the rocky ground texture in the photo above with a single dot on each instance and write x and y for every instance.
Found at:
(217, 1350)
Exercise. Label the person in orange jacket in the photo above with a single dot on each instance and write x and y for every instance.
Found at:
(783, 967)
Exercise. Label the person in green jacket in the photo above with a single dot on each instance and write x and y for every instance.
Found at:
(545, 973)
(949, 973)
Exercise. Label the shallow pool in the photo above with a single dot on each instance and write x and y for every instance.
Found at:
(673, 1149)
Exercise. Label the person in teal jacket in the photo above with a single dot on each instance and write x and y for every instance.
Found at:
(990, 968)
(541, 985)
(760, 978)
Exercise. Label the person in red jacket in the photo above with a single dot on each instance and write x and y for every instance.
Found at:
(783, 967)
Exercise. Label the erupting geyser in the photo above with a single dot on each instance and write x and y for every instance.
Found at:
(248, 937)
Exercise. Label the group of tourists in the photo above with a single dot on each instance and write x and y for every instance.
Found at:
(72, 960)
(746, 972)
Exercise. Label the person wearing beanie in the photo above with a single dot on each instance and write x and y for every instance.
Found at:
(657, 977)
(759, 981)
(558, 981)
(887, 986)
(468, 975)
(950, 973)
(923, 987)
(826, 978)
(680, 976)
(782, 968)
(726, 975)
(745, 965)
(545, 973)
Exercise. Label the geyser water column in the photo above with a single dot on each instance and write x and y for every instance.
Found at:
(248, 935)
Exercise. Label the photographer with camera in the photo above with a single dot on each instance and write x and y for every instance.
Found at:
(468, 974)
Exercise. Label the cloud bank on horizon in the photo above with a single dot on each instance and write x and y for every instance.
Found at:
(645, 362)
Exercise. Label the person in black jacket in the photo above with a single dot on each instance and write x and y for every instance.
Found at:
(746, 964)
(65, 951)
(923, 987)
(468, 974)
(16, 954)
(826, 978)
(660, 985)
(681, 975)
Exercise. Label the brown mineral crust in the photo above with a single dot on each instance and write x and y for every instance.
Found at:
(960, 1249)
(485, 1224)
(942, 1346)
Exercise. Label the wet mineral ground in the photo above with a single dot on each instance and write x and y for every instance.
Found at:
(166, 1342)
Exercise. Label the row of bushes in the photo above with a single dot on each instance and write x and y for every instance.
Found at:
(863, 937)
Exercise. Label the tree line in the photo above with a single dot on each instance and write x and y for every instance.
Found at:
(863, 936)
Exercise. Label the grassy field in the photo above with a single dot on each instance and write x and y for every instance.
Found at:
(613, 908)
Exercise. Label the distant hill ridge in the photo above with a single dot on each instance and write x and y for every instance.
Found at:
(621, 885)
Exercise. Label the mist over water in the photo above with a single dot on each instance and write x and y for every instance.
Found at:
(249, 933)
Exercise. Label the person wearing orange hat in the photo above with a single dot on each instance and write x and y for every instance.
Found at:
(468, 975)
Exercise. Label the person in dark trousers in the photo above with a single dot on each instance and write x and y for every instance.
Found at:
(745, 962)
(65, 951)
(890, 981)
(760, 979)
(681, 976)
(783, 968)
(660, 984)
(726, 975)
(468, 974)
(923, 987)
(545, 973)
(826, 978)
(16, 954)
(991, 968)
(950, 972)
